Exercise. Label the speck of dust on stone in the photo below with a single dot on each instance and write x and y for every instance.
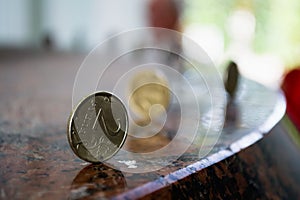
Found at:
(129, 163)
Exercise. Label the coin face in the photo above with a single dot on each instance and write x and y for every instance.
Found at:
(98, 127)
(148, 89)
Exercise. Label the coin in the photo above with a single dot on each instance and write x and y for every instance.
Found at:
(231, 79)
(98, 127)
(148, 89)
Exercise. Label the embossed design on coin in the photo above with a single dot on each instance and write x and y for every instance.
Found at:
(98, 127)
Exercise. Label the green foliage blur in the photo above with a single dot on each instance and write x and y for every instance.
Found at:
(277, 23)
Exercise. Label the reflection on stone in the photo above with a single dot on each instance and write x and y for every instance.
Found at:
(97, 180)
(232, 114)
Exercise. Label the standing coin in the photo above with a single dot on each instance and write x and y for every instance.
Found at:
(147, 89)
(98, 127)
(231, 79)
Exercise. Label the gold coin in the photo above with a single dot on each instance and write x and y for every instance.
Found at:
(149, 89)
(98, 127)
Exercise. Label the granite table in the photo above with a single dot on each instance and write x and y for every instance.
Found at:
(252, 159)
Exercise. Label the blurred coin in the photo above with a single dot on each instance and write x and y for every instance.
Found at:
(231, 79)
(98, 127)
(149, 93)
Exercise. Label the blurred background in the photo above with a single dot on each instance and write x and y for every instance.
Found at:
(262, 36)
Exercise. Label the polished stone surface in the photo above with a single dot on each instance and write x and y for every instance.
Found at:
(37, 162)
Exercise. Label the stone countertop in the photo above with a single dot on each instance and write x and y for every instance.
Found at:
(37, 162)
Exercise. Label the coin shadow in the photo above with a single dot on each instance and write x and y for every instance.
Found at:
(97, 180)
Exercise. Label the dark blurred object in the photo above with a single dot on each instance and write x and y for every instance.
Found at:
(47, 42)
(231, 80)
(164, 14)
(291, 88)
